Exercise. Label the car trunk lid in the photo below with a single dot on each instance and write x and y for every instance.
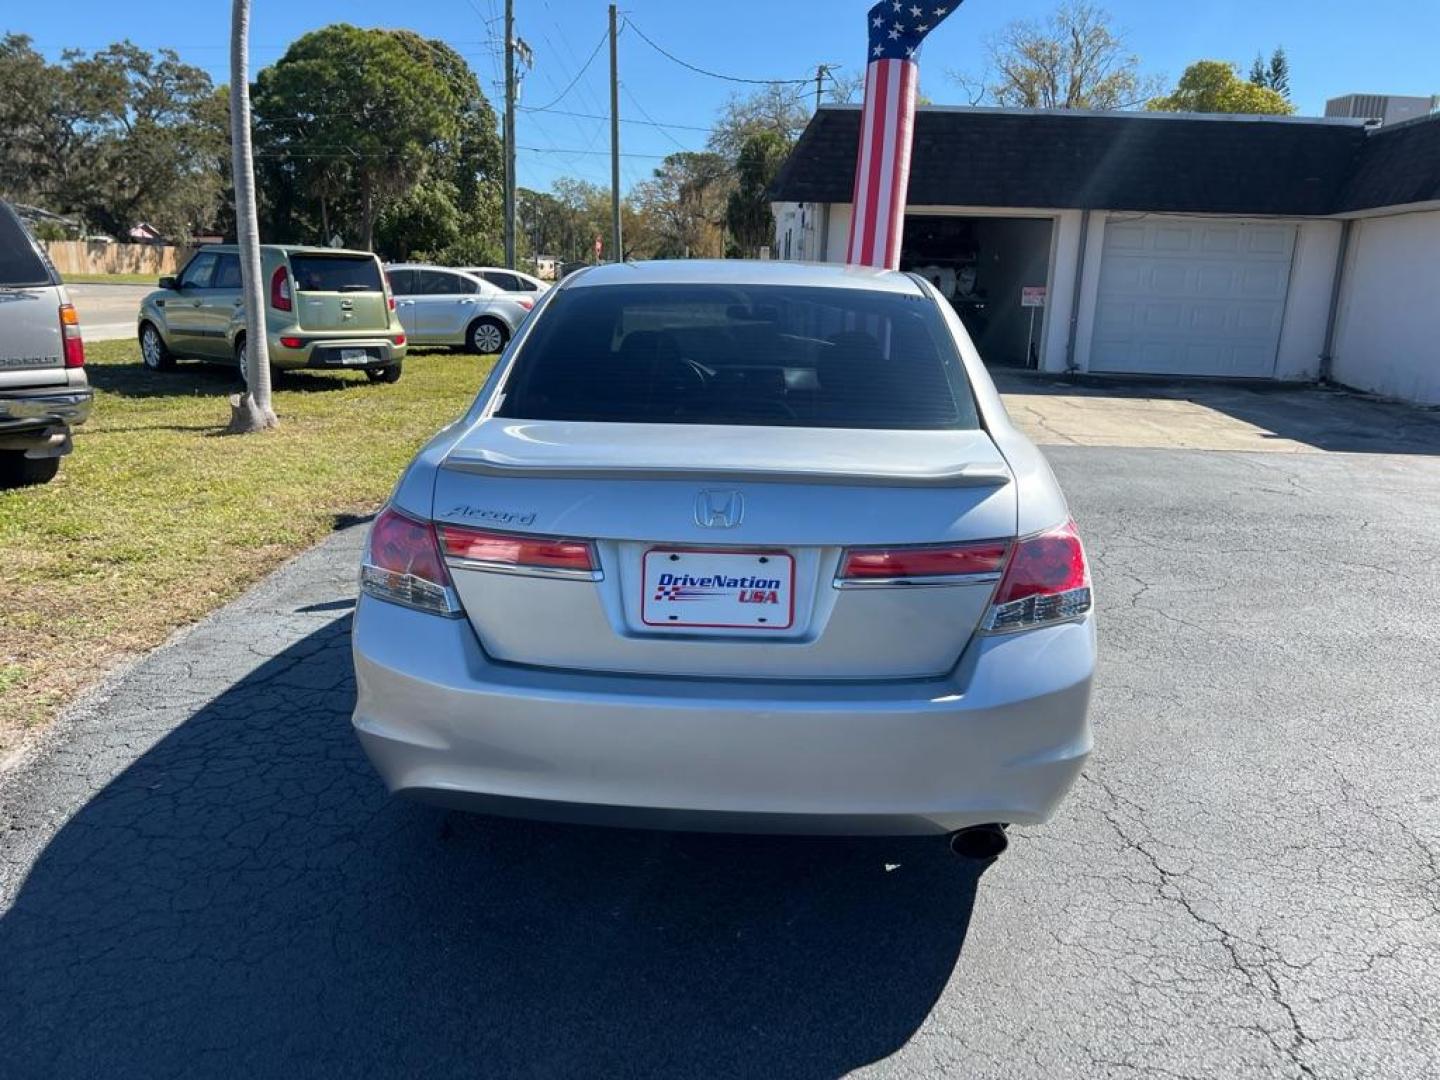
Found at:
(730, 504)
(343, 292)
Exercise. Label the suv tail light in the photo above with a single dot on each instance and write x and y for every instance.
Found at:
(874, 565)
(525, 302)
(280, 290)
(70, 335)
(507, 551)
(1047, 581)
(403, 565)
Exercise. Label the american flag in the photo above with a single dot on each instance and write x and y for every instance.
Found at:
(887, 127)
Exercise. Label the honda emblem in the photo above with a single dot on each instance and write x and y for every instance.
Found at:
(719, 509)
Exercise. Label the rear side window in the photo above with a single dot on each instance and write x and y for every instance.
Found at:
(743, 355)
(20, 263)
(505, 282)
(335, 273)
(227, 273)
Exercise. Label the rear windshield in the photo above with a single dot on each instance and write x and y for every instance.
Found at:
(725, 354)
(335, 273)
(20, 264)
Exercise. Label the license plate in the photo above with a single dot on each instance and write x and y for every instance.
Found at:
(354, 356)
(719, 589)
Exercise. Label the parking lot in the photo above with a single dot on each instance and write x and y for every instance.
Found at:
(199, 873)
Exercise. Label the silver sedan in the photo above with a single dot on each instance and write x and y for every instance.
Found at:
(731, 545)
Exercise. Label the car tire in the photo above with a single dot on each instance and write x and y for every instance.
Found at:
(17, 470)
(154, 353)
(487, 336)
(390, 373)
(240, 363)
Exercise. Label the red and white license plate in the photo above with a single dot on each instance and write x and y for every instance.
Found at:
(721, 590)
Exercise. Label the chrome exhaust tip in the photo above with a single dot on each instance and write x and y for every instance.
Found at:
(980, 843)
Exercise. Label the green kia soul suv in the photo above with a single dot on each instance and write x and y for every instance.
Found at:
(324, 308)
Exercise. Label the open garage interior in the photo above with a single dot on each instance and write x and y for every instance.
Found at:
(983, 265)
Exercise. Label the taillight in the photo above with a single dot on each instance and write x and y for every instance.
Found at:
(70, 335)
(280, 290)
(399, 339)
(403, 565)
(293, 342)
(1047, 581)
(508, 551)
(525, 302)
(390, 302)
(901, 564)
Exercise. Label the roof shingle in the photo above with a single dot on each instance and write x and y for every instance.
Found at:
(1158, 162)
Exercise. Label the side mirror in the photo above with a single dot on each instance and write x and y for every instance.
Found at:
(169, 282)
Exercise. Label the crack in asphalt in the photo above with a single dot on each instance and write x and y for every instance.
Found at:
(1169, 888)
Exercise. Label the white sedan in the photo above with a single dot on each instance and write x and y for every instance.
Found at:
(441, 306)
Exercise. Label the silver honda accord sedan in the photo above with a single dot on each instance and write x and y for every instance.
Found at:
(740, 546)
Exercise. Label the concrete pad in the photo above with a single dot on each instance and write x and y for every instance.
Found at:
(1266, 418)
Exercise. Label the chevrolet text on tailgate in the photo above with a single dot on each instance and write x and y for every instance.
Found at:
(739, 546)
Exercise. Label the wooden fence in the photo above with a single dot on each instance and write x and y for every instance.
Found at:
(88, 257)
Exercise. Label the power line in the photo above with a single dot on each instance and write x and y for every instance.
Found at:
(623, 119)
(712, 74)
(578, 75)
(652, 121)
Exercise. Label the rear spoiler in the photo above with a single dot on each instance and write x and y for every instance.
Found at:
(965, 476)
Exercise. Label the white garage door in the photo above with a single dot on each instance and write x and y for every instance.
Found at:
(1192, 296)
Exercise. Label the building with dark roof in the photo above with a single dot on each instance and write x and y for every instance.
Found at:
(1242, 246)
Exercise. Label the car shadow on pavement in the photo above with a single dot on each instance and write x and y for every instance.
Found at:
(244, 899)
(190, 379)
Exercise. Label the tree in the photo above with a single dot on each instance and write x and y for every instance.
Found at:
(354, 118)
(778, 108)
(250, 411)
(1215, 86)
(116, 137)
(1074, 60)
(747, 209)
(685, 204)
(1274, 76)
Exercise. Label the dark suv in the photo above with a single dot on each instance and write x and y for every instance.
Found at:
(43, 389)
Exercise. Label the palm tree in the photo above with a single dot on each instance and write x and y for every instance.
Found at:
(251, 410)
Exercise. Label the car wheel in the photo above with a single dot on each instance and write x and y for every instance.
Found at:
(390, 373)
(242, 361)
(17, 470)
(487, 336)
(153, 351)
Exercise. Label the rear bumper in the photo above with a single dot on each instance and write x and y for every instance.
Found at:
(1002, 739)
(325, 353)
(42, 419)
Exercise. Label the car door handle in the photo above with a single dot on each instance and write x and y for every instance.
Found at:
(197, 303)
(405, 303)
(467, 300)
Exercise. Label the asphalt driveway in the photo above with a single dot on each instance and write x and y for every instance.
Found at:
(107, 312)
(199, 875)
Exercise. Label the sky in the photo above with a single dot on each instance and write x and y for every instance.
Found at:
(1384, 46)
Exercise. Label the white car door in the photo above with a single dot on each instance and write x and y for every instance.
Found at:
(445, 304)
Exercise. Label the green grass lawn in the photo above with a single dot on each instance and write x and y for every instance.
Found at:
(158, 517)
(110, 279)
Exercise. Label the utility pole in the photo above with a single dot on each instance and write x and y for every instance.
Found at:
(616, 239)
(821, 70)
(510, 134)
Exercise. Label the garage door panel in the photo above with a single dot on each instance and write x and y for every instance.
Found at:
(1192, 297)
